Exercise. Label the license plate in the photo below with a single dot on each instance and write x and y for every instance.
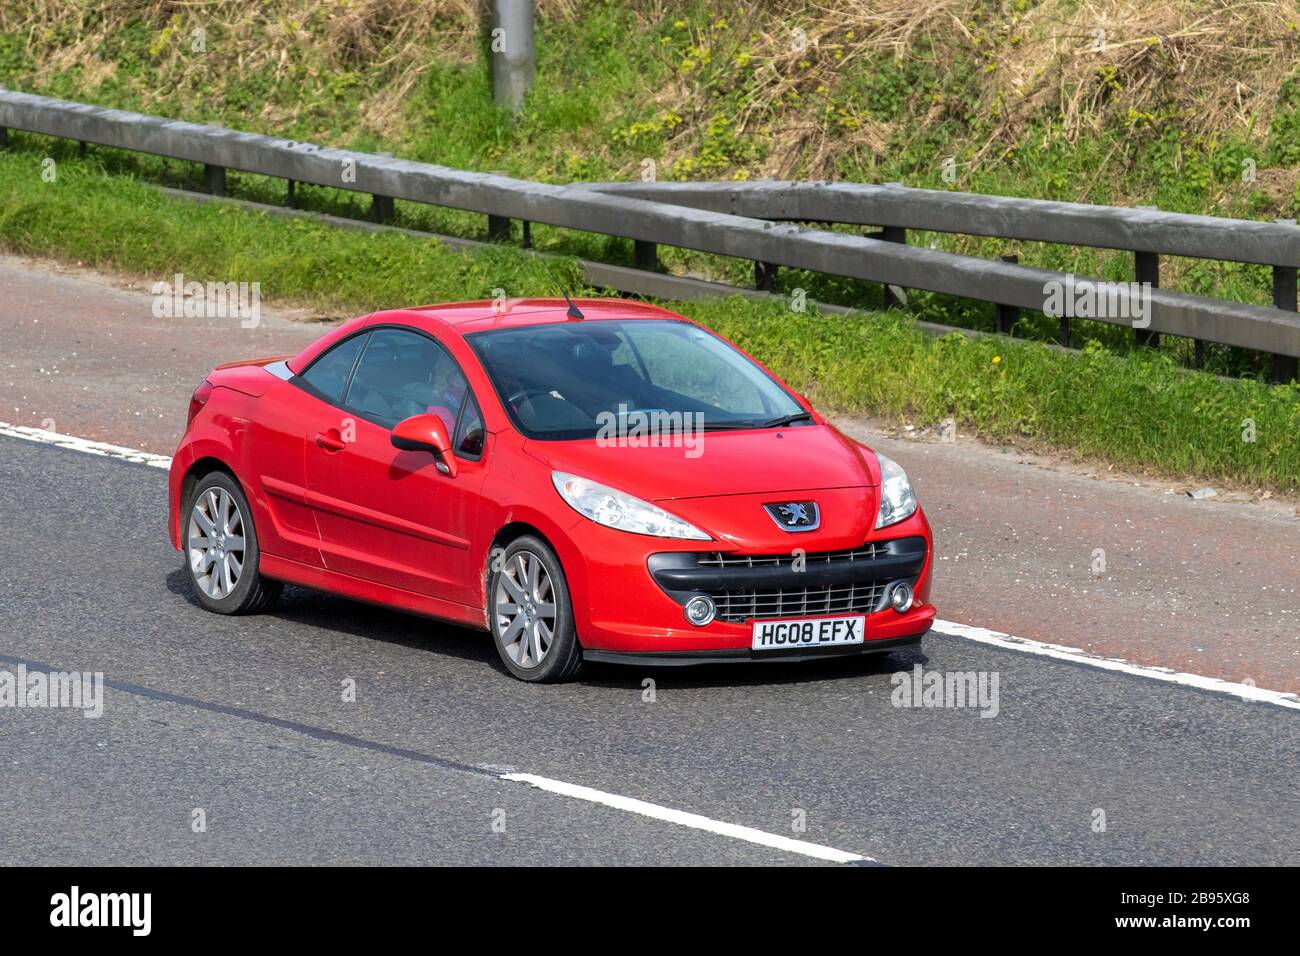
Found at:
(808, 632)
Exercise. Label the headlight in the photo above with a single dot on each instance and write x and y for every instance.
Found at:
(614, 509)
(897, 501)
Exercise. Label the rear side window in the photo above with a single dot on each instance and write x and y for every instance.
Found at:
(329, 373)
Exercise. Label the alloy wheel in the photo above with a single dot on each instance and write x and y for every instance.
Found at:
(524, 605)
(216, 543)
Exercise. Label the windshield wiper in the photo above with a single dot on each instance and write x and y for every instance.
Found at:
(787, 420)
(743, 425)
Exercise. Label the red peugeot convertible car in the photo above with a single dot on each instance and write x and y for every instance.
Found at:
(601, 481)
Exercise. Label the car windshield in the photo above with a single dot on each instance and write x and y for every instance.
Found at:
(578, 379)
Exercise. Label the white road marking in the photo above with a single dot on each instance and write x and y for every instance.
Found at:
(84, 445)
(968, 632)
(1077, 655)
(693, 820)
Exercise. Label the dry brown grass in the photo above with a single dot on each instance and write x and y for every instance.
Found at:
(1214, 64)
(396, 40)
(807, 51)
(393, 40)
(1218, 64)
(795, 48)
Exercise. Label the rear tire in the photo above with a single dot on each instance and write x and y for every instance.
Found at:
(530, 614)
(221, 553)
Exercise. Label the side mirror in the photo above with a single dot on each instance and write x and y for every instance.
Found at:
(426, 433)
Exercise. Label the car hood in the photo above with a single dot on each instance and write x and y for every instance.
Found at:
(713, 464)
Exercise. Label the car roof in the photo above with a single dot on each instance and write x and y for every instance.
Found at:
(483, 315)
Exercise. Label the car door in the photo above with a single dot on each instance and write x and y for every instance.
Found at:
(387, 515)
(274, 456)
(280, 432)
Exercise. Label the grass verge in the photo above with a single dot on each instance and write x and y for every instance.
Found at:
(1142, 413)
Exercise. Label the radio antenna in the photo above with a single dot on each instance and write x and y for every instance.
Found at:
(573, 311)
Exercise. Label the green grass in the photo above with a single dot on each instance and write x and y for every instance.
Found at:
(117, 223)
(1142, 413)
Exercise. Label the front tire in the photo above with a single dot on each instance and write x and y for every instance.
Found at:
(530, 614)
(221, 552)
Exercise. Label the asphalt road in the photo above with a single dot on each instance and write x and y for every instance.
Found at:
(244, 718)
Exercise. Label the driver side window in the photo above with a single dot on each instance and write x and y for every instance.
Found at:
(401, 374)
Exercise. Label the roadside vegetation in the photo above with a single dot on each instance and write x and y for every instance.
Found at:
(1142, 414)
(1189, 105)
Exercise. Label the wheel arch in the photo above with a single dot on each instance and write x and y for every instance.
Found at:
(192, 462)
(507, 533)
(199, 470)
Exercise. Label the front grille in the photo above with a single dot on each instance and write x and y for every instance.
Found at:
(742, 605)
(723, 559)
(813, 584)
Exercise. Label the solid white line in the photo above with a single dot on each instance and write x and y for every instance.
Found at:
(84, 445)
(692, 820)
(1247, 692)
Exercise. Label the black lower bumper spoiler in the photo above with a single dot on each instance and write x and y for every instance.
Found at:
(743, 655)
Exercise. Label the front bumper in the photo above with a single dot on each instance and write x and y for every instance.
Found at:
(620, 609)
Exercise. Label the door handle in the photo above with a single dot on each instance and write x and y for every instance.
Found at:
(331, 441)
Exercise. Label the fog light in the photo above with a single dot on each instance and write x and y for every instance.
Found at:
(700, 610)
(900, 599)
